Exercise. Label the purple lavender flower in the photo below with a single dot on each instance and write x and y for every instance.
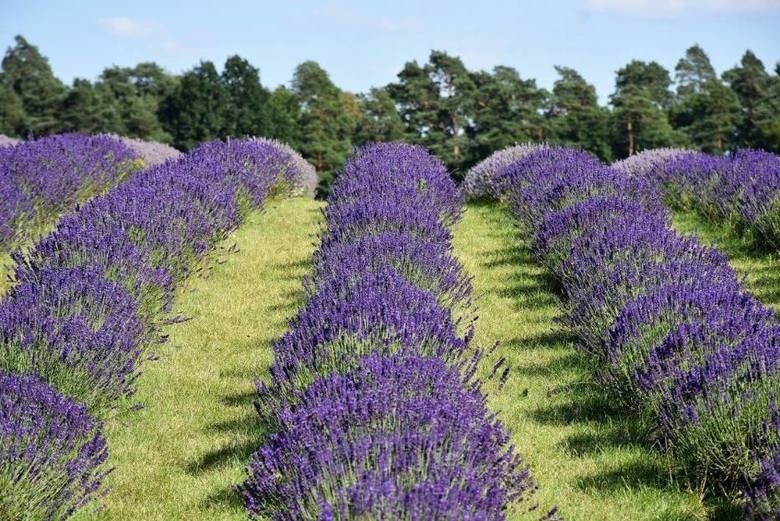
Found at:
(6, 141)
(372, 406)
(643, 163)
(763, 490)
(408, 172)
(670, 328)
(480, 179)
(422, 262)
(52, 453)
(742, 190)
(89, 298)
(152, 152)
(399, 437)
(75, 329)
(54, 174)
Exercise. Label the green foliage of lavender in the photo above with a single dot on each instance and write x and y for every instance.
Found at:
(373, 409)
(667, 324)
(89, 299)
(41, 179)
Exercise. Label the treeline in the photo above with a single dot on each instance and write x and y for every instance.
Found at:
(461, 115)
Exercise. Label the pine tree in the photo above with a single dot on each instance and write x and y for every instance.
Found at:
(379, 119)
(757, 93)
(640, 102)
(576, 119)
(194, 111)
(506, 110)
(91, 109)
(12, 115)
(324, 123)
(706, 110)
(247, 112)
(28, 74)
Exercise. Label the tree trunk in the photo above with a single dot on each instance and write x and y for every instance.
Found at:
(630, 128)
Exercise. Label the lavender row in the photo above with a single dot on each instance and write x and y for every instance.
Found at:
(151, 152)
(741, 190)
(41, 179)
(6, 141)
(480, 179)
(667, 324)
(373, 410)
(89, 299)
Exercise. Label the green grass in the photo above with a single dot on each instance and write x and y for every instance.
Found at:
(176, 458)
(6, 268)
(759, 269)
(588, 457)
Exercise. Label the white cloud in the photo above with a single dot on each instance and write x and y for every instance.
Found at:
(149, 31)
(353, 18)
(665, 8)
(130, 28)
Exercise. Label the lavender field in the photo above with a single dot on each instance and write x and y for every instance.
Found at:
(411, 348)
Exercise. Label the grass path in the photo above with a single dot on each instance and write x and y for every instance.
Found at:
(6, 268)
(589, 459)
(176, 458)
(760, 270)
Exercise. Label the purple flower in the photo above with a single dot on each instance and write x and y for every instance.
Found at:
(672, 332)
(91, 294)
(52, 453)
(372, 405)
(54, 174)
(480, 179)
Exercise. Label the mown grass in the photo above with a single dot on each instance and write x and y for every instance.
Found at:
(760, 270)
(6, 268)
(589, 458)
(177, 458)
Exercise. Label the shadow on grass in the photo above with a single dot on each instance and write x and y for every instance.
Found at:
(636, 474)
(553, 339)
(226, 455)
(605, 431)
(243, 400)
(533, 287)
(550, 369)
(226, 499)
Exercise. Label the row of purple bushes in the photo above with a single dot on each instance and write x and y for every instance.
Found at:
(88, 302)
(741, 190)
(666, 322)
(41, 179)
(373, 410)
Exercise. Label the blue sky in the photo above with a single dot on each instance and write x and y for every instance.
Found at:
(364, 44)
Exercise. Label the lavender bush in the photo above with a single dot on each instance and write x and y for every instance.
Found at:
(304, 173)
(52, 453)
(90, 295)
(6, 141)
(373, 408)
(41, 179)
(741, 190)
(479, 180)
(668, 325)
(641, 164)
(79, 331)
(151, 152)
(91, 292)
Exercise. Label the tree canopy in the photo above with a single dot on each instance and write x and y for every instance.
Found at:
(462, 115)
